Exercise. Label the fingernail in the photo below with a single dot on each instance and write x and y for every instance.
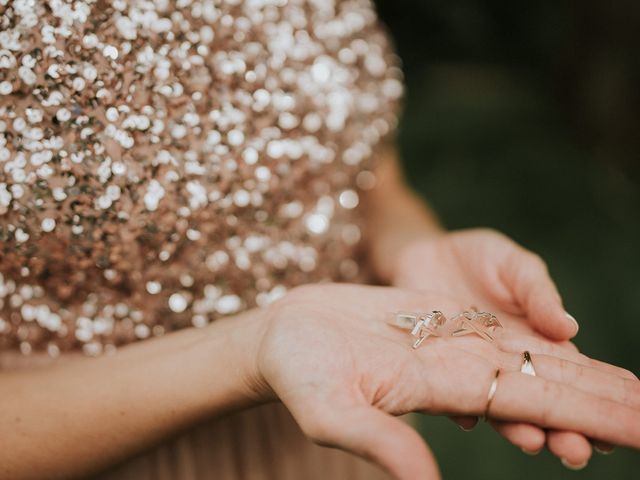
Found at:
(531, 452)
(575, 322)
(468, 429)
(602, 451)
(573, 467)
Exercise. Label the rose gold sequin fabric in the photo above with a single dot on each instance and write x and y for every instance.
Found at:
(163, 163)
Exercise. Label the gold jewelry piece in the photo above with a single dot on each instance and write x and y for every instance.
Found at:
(491, 394)
(527, 364)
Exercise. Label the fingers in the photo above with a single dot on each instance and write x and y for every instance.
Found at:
(557, 363)
(573, 449)
(553, 405)
(529, 438)
(466, 423)
(588, 379)
(518, 343)
(583, 377)
(376, 436)
(602, 447)
(569, 346)
(527, 277)
(522, 398)
(623, 372)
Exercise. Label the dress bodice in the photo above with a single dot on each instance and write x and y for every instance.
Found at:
(165, 162)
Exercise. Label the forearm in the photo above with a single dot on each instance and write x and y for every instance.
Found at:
(82, 414)
(396, 216)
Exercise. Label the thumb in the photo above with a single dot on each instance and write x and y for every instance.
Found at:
(377, 437)
(528, 279)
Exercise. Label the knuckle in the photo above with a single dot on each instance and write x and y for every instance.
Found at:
(628, 373)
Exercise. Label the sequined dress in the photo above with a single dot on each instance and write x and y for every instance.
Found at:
(167, 162)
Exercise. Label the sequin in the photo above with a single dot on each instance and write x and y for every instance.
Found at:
(177, 303)
(180, 161)
(48, 224)
(154, 287)
(5, 88)
(349, 199)
(317, 223)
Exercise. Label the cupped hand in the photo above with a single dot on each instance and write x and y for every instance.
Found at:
(486, 268)
(328, 354)
(494, 273)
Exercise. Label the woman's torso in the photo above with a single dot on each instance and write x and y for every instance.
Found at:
(163, 163)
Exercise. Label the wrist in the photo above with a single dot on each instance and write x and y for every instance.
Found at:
(233, 345)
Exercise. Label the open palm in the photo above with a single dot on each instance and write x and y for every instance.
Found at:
(495, 274)
(492, 271)
(329, 356)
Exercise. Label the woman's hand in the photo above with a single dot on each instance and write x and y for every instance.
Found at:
(492, 272)
(328, 354)
(498, 275)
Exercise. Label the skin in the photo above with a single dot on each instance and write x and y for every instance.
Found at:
(483, 266)
(327, 352)
(80, 414)
(355, 365)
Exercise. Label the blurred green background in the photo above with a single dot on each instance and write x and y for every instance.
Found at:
(525, 116)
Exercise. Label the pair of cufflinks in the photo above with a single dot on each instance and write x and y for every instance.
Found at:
(424, 325)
